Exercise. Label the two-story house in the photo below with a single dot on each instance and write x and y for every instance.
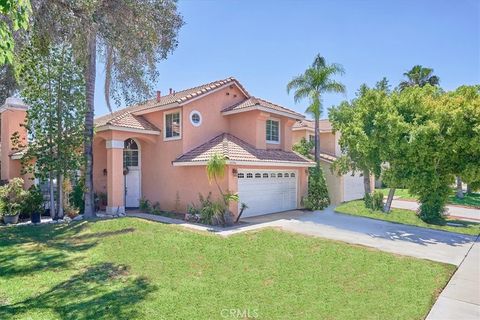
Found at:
(159, 149)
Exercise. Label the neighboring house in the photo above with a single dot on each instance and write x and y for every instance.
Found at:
(340, 188)
(12, 115)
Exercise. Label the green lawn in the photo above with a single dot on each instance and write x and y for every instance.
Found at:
(134, 269)
(469, 200)
(357, 208)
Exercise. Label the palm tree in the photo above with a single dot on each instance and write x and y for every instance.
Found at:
(312, 84)
(419, 76)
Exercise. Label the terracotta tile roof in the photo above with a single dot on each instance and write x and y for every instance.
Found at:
(253, 103)
(324, 125)
(177, 97)
(128, 120)
(235, 149)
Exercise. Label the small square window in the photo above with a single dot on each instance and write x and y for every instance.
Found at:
(265, 175)
(273, 130)
(249, 175)
(279, 175)
(258, 175)
(240, 176)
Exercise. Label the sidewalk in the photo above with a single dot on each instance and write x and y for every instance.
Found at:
(461, 213)
(461, 297)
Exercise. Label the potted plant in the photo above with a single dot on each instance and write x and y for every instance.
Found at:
(34, 204)
(12, 196)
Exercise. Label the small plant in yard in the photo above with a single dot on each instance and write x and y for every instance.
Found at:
(216, 168)
(12, 196)
(317, 197)
(77, 198)
(374, 200)
(155, 209)
(144, 205)
(33, 204)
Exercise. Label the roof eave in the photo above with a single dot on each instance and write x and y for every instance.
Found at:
(269, 110)
(248, 163)
(126, 129)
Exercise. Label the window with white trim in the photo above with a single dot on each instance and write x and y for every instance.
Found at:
(249, 175)
(258, 175)
(273, 131)
(265, 175)
(279, 175)
(240, 176)
(172, 125)
(292, 175)
(195, 118)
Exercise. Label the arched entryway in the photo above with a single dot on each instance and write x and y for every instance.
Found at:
(132, 173)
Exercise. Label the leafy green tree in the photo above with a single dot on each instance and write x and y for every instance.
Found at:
(130, 37)
(312, 85)
(419, 76)
(15, 16)
(363, 124)
(461, 110)
(54, 88)
(304, 148)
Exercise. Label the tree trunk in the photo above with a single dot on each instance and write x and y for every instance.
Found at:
(52, 196)
(60, 196)
(317, 139)
(90, 74)
(459, 188)
(366, 182)
(388, 204)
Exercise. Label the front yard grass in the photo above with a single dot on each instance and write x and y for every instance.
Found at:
(469, 199)
(357, 208)
(135, 269)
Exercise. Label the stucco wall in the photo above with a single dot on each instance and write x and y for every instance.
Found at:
(334, 183)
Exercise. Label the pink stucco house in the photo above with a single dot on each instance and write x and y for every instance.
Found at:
(165, 143)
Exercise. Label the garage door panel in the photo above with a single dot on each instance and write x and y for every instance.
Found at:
(265, 191)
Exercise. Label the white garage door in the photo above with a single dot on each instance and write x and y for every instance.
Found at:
(352, 187)
(267, 191)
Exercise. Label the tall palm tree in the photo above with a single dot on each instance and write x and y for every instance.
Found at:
(419, 76)
(312, 84)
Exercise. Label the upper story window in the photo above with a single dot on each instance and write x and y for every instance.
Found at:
(195, 118)
(172, 127)
(273, 130)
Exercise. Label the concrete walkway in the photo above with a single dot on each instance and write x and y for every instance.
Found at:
(461, 297)
(468, 214)
(401, 239)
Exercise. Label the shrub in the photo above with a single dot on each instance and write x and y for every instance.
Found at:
(155, 209)
(374, 201)
(144, 205)
(317, 197)
(304, 147)
(12, 196)
(33, 202)
(77, 197)
(211, 212)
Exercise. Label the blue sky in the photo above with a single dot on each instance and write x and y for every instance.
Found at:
(266, 43)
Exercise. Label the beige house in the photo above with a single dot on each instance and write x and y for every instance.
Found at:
(340, 188)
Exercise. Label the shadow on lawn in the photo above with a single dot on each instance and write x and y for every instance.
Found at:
(29, 249)
(102, 291)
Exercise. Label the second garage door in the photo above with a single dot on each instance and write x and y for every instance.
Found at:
(267, 191)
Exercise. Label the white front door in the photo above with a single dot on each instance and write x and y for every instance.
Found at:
(132, 187)
(267, 191)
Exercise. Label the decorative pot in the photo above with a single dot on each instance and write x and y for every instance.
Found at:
(11, 219)
(35, 217)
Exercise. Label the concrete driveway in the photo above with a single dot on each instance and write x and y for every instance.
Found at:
(401, 239)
